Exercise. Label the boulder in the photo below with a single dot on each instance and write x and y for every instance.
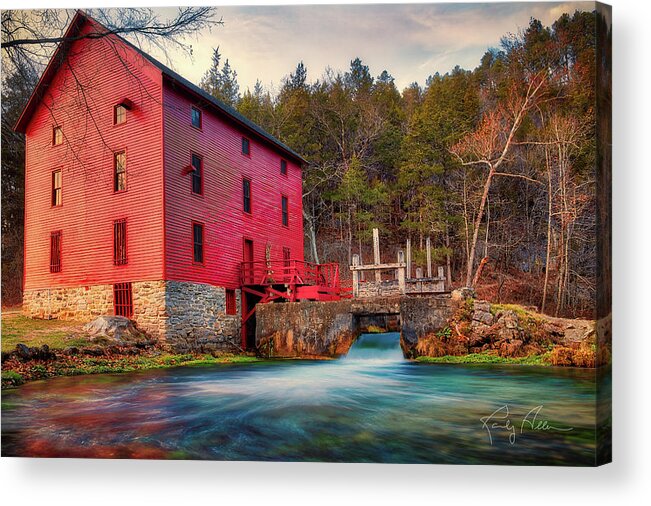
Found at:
(461, 294)
(481, 314)
(507, 326)
(26, 353)
(23, 352)
(117, 329)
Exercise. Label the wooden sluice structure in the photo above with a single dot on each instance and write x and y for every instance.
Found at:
(403, 282)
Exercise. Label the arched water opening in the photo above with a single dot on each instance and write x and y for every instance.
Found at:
(384, 347)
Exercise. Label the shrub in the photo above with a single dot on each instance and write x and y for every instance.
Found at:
(11, 379)
(582, 355)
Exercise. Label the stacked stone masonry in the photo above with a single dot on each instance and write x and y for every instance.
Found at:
(388, 288)
(183, 316)
(197, 319)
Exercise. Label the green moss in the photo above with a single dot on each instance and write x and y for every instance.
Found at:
(485, 358)
(523, 314)
(11, 379)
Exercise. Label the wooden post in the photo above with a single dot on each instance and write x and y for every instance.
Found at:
(441, 272)
(376, 253)
(355, 276)
(428, 246)
(419, 272)
(408, 276)
(401, 272)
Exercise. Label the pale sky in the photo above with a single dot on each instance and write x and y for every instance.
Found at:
(411, 41)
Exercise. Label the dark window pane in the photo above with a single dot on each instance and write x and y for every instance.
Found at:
(55, 251)
(120, 242)
(196, 117)
(123, 300)
(197, 175)
(246, 191)
(246, 148)
(285, 208)
(197, 230)
(283, 167)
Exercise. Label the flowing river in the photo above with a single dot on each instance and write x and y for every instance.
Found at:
(371, 406)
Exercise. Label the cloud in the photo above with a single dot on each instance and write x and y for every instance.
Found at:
(411, 41)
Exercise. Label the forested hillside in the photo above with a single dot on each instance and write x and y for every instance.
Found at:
(495, 164)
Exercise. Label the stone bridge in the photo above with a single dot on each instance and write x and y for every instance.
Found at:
(328, 329)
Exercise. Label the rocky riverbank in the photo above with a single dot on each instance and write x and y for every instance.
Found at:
(483, 332)
(106, 345)
(453, 328)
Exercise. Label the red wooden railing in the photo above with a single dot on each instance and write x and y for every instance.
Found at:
(289, 272)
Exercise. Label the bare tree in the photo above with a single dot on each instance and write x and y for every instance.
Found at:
(30, 36)
(489, 146)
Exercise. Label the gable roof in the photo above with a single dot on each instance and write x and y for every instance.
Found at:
(59, 55)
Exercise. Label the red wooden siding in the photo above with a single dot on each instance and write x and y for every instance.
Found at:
(89, 205)
(158, 205)
(219, 143)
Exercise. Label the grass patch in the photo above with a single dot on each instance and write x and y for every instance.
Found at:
(486, 358)
(17, 372)
(523, 314)
(57, 334)
(11, 379)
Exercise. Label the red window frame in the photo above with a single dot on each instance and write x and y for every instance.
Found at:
(283, 166)
(55, 251)
(57, 190)
(120, 242)
(199, 115)
(119, 176)
(123, 300)
(119, 114)
(198, 246)
(197, 173)
(247, 199)
(284, 209)
(231, 302)
(57, 135)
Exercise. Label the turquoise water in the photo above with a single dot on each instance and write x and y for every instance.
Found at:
(371, 406)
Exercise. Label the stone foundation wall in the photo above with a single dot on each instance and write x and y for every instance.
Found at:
(149, 310)
(305, 329)
(74, 303)
(184, 316)
(197, 319)
(421, 317)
